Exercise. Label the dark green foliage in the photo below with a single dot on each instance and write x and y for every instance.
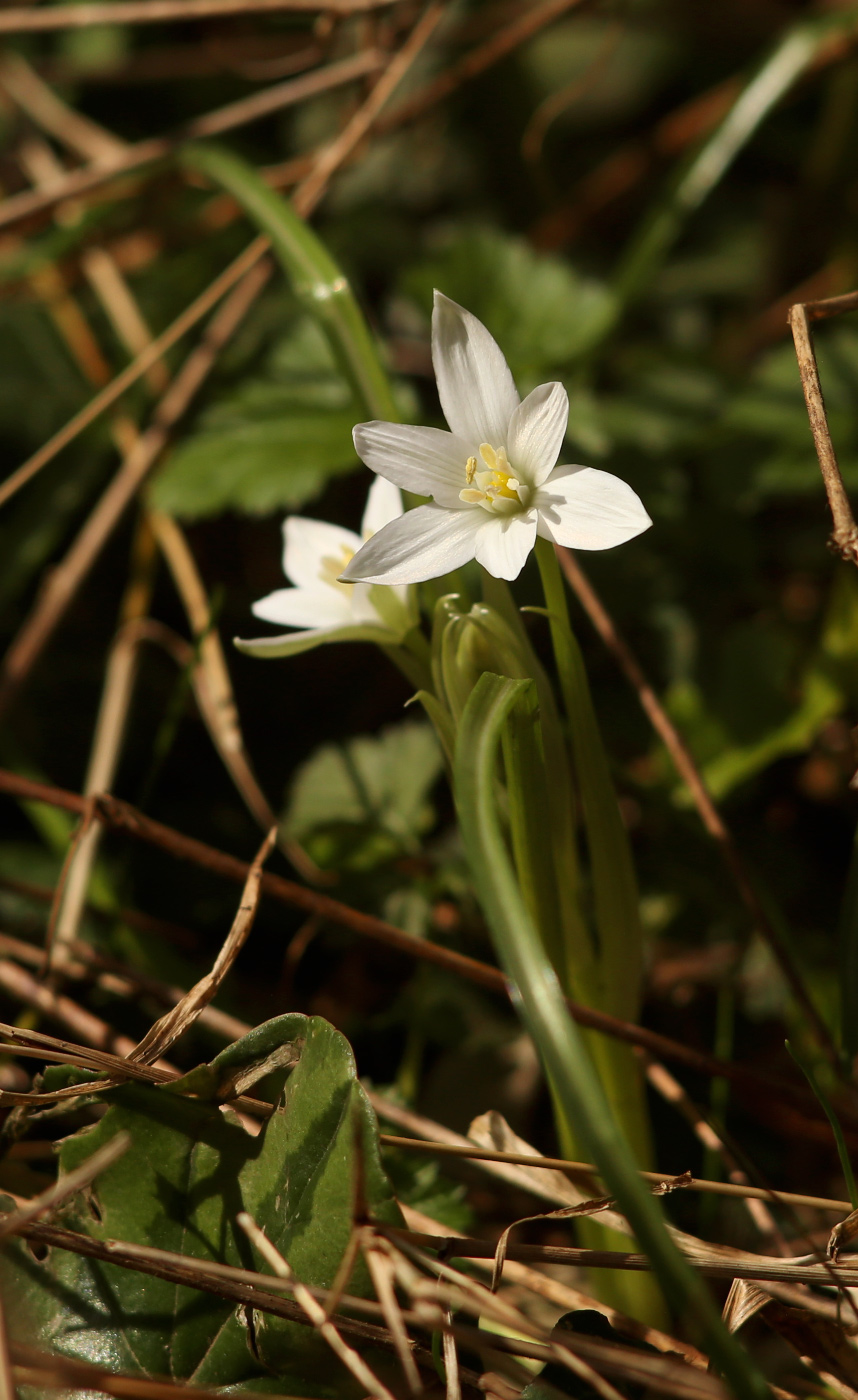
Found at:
(190, 1170)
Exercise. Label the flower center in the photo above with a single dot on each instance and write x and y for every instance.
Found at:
(332, 565)
(495, 488)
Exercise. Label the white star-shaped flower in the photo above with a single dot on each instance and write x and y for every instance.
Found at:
(314, 557)
(492, 477)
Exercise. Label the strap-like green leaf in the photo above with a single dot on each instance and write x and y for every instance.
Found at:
(558, 1039)
(318, 282)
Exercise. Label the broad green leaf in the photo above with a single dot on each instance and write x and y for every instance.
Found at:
(368, 797)
(542, 313)
(190, 1170)
(272, 443)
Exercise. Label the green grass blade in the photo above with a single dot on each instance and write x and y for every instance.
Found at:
(319, 283)
(614, 883)
(791, 57)
(558, 1040)
(825, 1105)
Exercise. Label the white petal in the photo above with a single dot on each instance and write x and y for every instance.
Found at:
(584, 508)
(426, 543)
(305, 607)
(383, 504)
(362, 607)
(307, 543)
(293, 643)
(536, 433)
(427, 461)
(475, 386)
(504, 543)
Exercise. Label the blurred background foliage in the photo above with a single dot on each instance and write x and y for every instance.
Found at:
(523, 195)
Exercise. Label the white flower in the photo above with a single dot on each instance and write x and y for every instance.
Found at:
(492, 478)
(314, 557)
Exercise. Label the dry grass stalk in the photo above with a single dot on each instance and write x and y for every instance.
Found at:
(7, 1378)
(314, 1310)
(33, 19)
(741, 1190)
(37, 1368)
(68, 1185)
(181, 1017)
(844, 536)
(709, 1260)
(140, 157)
(67, 576)
(122, 816)
(562, 1295)
(213, 688)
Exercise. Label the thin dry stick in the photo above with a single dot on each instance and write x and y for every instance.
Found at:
(693, 778)
(38, 159)
(198, 308)
(213, 688)
(67, 1185)
(738, 1265)
(122, 816)
(844, 536)
(43, 1370)
(376, 1252)
(314, 1310)
(310, 190)
(212, 683)
(740, 1190)
(7, 1380)
(67, 576)
(165, 1032)
(136, 158)
(117, 980)
(670, 1089)
(35, 19)
(18, 983)
(561, 1294)
(503, 42)
(119, 679)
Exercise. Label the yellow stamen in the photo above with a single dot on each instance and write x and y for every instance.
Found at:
(332, 565)
(471, 470)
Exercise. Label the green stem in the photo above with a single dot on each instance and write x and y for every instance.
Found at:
(560, 1044)
(319, 283)
(614, 884)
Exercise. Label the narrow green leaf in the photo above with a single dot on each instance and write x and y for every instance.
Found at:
(319, 283)
(792, 56)
(825, 1104)
(614, 884)
(557, 1037)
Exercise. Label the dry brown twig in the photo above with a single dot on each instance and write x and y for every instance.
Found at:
(250, 278)
(122, 816)
(39, 19)
(42, 1370)
(165, 1032)
(315, 1312)
(67, 1185)
(844, 536)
